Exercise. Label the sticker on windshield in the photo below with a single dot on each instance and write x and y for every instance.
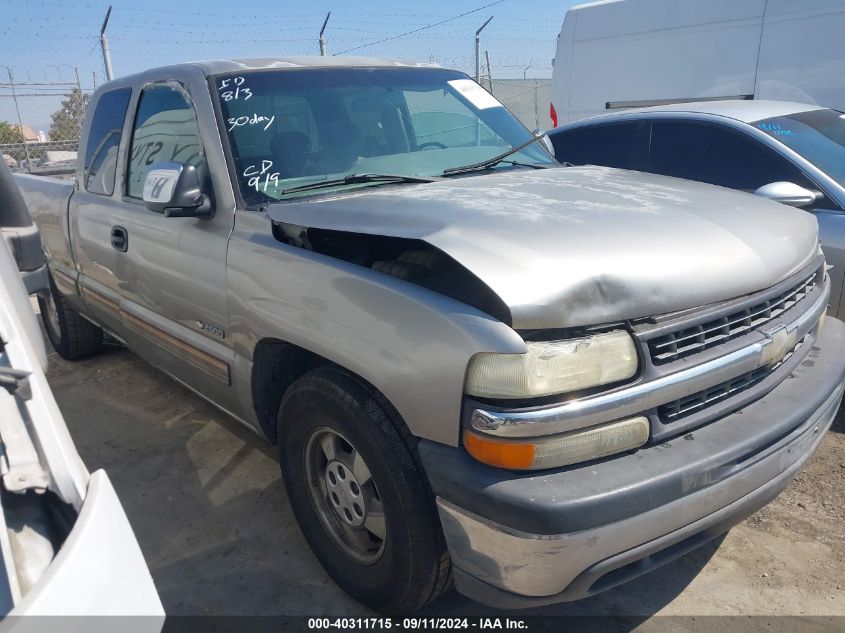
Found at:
(775, 129)
(475, 94)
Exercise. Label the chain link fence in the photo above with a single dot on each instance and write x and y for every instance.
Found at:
(528, 99)
(41, 112)
(42, 102)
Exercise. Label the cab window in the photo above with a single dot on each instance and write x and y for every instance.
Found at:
(104, 140)
(165, 129)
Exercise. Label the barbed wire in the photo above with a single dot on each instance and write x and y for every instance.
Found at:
(422, 28)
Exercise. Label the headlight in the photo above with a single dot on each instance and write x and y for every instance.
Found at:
(553, 367)
(559, 450)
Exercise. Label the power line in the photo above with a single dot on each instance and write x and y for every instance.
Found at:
(143, 9)
(422, 28)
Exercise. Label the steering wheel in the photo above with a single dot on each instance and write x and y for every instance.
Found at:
(431, 144)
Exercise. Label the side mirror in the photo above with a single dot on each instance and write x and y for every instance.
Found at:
(174, 190)
(788, 193)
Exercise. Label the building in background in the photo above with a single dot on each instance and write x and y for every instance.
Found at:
(29, 135)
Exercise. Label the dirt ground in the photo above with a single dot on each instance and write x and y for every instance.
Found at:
(204, 497)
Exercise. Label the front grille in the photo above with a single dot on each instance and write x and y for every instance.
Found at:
(690, 404)
(691, 340)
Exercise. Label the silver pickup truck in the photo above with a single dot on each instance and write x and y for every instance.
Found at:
(539, 381)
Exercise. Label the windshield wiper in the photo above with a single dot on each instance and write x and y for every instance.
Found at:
(500, 158)
(354, 179)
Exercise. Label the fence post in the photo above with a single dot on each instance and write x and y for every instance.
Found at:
(478, 51)
(104, 44)
(323, 39)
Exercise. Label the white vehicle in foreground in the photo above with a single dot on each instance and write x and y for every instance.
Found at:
(66, 546)
(631, 53)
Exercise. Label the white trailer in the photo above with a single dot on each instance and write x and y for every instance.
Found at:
(618, 54)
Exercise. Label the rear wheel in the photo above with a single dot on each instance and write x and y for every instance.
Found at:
(71, 335)
(359, 493)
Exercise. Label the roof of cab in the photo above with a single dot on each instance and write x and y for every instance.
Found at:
(218, 66)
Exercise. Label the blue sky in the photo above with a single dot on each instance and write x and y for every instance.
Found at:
(48, 41)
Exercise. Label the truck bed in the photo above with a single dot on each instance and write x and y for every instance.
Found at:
(47, 199)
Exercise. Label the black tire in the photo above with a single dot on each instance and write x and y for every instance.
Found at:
(413, 567)
(72, 336)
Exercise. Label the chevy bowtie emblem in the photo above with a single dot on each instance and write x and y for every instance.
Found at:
(780, 343)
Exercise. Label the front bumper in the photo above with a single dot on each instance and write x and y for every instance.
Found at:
(520, 540)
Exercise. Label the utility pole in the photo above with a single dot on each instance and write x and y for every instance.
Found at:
(323, 30)
(104, 44)
(525, 70)
(20, 121)
(478, 50)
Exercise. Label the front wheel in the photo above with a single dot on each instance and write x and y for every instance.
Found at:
(359, 493)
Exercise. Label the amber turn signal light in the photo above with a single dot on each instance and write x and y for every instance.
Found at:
(552, 451)
(512, 455)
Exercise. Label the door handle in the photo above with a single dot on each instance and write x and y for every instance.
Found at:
(119, 238)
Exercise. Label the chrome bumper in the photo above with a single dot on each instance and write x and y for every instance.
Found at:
(519, 539)
(633, 400)
(493, 560)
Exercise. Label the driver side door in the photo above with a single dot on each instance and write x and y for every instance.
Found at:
(172, 272)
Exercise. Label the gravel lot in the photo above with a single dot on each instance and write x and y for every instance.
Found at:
(204, 497)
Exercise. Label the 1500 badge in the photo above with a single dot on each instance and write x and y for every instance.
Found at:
(211, 329)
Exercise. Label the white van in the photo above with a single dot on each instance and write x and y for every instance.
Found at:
(619, 54)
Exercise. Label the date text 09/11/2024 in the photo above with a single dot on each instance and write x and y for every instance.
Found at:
(409, 624)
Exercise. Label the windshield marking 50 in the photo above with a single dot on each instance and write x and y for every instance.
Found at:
(289, 129)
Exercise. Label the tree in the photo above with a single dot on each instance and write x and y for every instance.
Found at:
(11, 135)
(67, 120)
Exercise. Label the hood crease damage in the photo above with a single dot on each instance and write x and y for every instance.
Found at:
(562, 247)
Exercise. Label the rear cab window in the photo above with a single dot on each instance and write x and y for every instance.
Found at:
(104, 135)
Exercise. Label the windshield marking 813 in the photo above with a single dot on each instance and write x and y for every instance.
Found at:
(290, 129)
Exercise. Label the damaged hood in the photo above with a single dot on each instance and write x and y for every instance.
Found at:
(577, 246)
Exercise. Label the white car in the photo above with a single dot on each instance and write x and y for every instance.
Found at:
(66, 545)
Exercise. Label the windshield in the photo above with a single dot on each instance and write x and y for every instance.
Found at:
(289, 128)
(818, 136)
